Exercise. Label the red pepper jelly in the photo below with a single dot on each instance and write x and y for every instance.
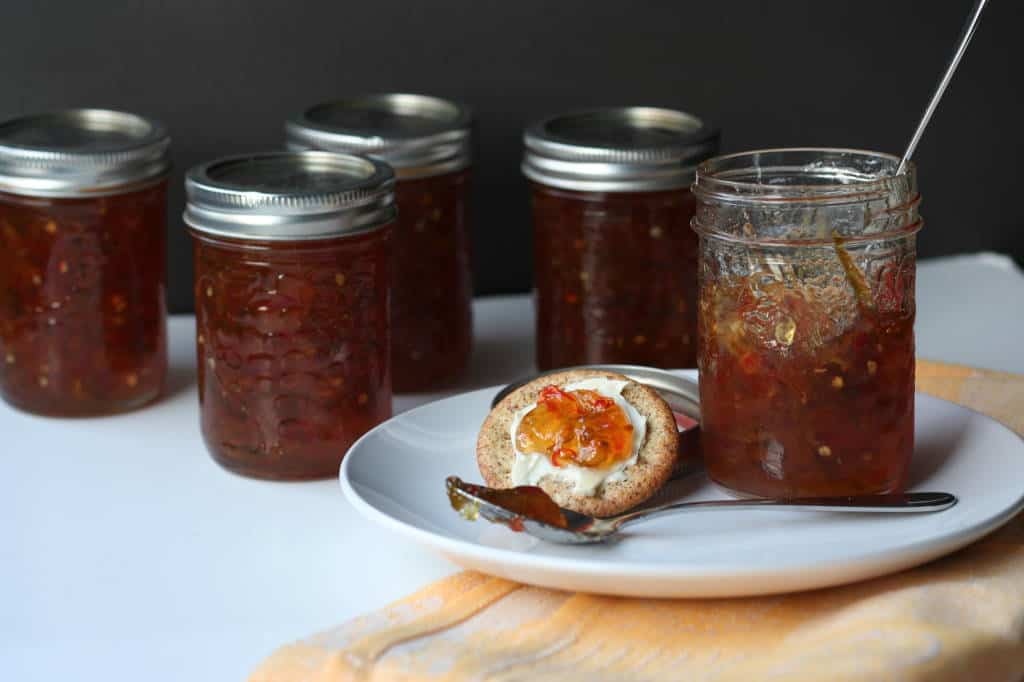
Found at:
(427, 142)
(292, 260)
(615, 260)
(83, 201)
(807, 321)
(580, 428)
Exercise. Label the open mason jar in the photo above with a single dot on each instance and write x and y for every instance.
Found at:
(83, 221)
(615, 260)
(292, 261)
(806, 322)
(426, 140)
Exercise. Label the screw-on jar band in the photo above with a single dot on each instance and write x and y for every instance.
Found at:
(417, 135)
(81, 152)
(289, 196)
(629, 149)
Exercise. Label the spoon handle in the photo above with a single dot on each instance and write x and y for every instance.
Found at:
(965, 38)
(900, 504)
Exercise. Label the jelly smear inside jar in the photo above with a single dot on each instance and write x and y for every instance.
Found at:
(579, 427)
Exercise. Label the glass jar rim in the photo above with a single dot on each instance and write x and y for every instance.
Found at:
(808, 178)
(876, 178)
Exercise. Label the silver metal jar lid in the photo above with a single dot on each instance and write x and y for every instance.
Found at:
(625, 149)
(289, 196)
(81, 152)
(417, 135)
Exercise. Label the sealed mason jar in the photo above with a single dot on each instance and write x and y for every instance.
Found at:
(614, 256)
(292, 255)
(83, 202)
(807, 267)
(426, 140)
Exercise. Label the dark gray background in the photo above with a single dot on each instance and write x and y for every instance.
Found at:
(224, 74)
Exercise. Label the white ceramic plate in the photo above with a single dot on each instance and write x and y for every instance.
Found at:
(395, 476)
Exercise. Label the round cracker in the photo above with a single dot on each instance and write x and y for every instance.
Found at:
(655, 459)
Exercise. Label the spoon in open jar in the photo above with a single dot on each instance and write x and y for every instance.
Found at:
(530, 510)
(958, 53)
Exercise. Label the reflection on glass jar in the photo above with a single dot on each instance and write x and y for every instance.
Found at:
(292, 324)
(614, 256)
(83, 200)
(807, 264)
(427, 142)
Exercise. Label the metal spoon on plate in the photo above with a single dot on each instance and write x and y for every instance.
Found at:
(528, 509)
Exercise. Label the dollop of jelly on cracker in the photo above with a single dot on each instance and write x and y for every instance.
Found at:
(580, 427)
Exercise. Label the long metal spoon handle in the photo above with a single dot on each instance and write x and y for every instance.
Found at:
(965, 38)
(900, 504)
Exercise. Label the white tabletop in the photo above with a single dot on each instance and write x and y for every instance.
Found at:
(129, 555)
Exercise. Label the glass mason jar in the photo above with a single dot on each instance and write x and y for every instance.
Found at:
(615, 260)
(292, 259)
(427, 142)
(83, 221)
(807, 265)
